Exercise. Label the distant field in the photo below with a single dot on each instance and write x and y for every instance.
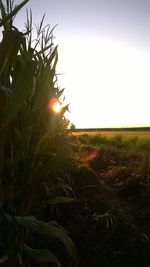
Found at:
(110, 134)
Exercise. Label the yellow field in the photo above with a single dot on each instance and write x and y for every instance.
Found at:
(124, 134)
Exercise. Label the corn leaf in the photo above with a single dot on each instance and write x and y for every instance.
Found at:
(60, 200)
(64, 109)
(60, 92)
(48, 230)
(4, 94)
(44, 229)
(11, 14)
(3, 259)
(9, 48)
(23, 85)
(42, 143)
(52, 56)
(55, 60)
(3, 11)
(41, 255)
(37, 53)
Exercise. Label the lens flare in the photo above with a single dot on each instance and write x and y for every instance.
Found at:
(55, 105)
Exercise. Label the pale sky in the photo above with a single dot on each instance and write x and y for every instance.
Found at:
(104, 55)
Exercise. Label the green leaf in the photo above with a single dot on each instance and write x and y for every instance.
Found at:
(8, 50)
(45, 229)
(53, 56)
(60, 200)
(55, 60)
(60, 93)
(11, 14)
(4, 94)
(23, 85)
(64, 109)
(3, 259)
(6, 219)
(41, 255)
(37, 53)
(3, 12)
(48, 230)
(42, 143)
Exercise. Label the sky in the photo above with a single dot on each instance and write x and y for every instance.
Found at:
(104, 58)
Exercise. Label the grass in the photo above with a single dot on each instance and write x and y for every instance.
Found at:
(133, 143)
(110, 219)
(112, 134)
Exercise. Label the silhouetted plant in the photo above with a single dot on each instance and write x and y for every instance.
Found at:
(32, 148)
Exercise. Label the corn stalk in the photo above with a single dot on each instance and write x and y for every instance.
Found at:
(29, 151)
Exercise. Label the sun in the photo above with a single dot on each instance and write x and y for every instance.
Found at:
(55, 105)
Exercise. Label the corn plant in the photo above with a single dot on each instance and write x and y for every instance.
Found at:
(33, 148)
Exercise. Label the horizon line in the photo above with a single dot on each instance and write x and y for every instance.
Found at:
(146, 128)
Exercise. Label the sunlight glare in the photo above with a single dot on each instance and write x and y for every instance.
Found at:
(114, 75)
(55, 105)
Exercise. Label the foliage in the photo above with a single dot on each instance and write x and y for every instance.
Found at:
(72, 127)
(110, 222)
(96, 188)
(119, 141)
(34, 146)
